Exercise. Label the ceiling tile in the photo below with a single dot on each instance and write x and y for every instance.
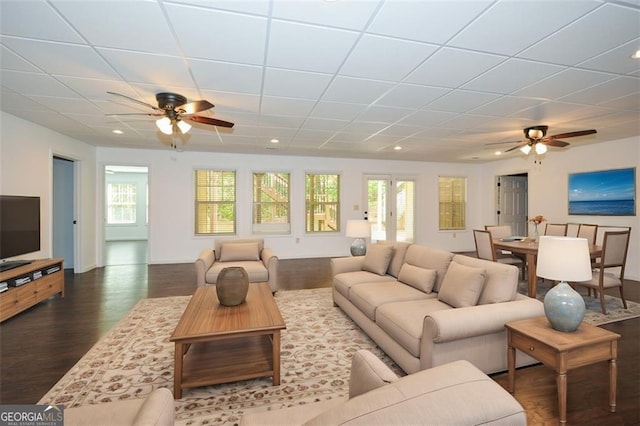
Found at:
(295, 84)
(606, 91)
(308, 48)
(505, 105)
(603, 29)
(511, 26)
(229, 102)
(256, 7)
(616, 60)
(341, 14)
(383, 114)
(125, 24)
(564, 83)
(355, 90)
(286, 106)
(68, 105)
(365, 60)
(453, 67)
(337, 110)
(433, 21)
(509, 76)
(13, 62)
(212, 75)
(32, 84)
(411, 95)
(229, 36)
(35, 19)
(148, 68)
(461, 101)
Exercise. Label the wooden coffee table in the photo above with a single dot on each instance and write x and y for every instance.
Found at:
(220, 344)
(563, 352)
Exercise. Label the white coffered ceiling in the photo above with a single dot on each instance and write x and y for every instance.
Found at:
(348, 78)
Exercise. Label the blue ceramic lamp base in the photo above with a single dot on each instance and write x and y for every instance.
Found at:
(564, 308)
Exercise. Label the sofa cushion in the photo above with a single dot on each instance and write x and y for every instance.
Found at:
(255, 269)
(217, 246)
(233, 252)
(369, 296)
(377, 258)
(397, 260)
(501, 282)
(420, 278)
(462, 285)
(403, 321)
(343, 282)
(429, 258)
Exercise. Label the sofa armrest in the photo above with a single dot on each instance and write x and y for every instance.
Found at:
(270, 261)
(203, 264)
(340, 265)
(368, 372)
(461, 323)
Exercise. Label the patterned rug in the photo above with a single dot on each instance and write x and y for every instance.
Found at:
(136, 357)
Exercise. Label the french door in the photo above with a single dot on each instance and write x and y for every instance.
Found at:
(391, 207)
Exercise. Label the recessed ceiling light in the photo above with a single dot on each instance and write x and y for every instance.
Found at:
(117, 132)
(498, 153)
(397, 148)
(275, 141)
(636, 55)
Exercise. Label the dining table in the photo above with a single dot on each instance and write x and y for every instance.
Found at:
(528, 247)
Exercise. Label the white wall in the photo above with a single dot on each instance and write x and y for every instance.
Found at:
(171, 199)
(548, 186)
(26, 168)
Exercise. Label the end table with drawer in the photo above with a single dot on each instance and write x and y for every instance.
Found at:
(562, 352)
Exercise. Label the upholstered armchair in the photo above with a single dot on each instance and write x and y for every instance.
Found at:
(260, 262)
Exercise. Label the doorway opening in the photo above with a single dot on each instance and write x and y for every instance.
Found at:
(126, 216)
(512, 202)
(63, 211)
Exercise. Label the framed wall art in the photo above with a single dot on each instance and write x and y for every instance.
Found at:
(603, 192)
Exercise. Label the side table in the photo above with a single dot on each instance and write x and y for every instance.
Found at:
(562, 352)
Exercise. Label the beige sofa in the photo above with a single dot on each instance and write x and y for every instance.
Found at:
(426, 307)
(260, 262)
(453, 394)
(155, 410)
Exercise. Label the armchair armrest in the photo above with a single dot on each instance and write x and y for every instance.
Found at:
(346, 264)
(270, 261)
(368, 372)
(203, 264)
(461, 323)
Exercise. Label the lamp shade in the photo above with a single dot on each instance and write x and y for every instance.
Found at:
(358, 229)
(563, 259)
(165, 125)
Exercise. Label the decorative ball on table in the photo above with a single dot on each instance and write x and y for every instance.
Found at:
(564, 259)
(232, 286)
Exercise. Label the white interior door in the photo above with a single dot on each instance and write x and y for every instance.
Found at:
(512, 203)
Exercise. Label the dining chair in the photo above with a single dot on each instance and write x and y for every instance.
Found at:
(502, 231)
(572, 229)
(614, 255)
(485, 250)
(588, 231)
(556, 229)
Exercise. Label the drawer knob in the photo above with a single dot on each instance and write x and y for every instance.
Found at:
(531, 348)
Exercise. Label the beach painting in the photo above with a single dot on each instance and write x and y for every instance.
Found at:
(603, 193)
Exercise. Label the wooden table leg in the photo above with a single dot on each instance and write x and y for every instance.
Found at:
(532, 278)
(613, 375)
(276, 357)
(511, 363)
(562, 396)
(177, 371)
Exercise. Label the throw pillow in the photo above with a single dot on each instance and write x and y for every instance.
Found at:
(377, 259)
(461, 285)
(233, 252)
(420, 278)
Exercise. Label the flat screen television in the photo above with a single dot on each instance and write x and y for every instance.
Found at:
(19, 228)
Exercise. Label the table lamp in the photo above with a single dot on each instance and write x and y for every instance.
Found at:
(358, 229)
(564, 259)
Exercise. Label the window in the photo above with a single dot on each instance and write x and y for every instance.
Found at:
(452, 193)
(322, 196)
(271, 203)
(215, 202)
(121, 203)
(390, 207)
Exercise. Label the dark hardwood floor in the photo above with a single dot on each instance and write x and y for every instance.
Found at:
(38, 346)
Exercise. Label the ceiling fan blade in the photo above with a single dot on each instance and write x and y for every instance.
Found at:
(573, 134)
(513, 148)
(195, 106)
(555, 142)
(135, 100)
(149, 114)
(502, 143)
(211, 121)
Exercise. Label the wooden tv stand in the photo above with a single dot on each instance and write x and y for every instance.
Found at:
(17, 299)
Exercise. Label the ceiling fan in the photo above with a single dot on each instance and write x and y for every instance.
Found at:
(174, 110)
(537, 139)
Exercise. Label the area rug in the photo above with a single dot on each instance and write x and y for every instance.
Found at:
(136, 357)
(593, 315)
